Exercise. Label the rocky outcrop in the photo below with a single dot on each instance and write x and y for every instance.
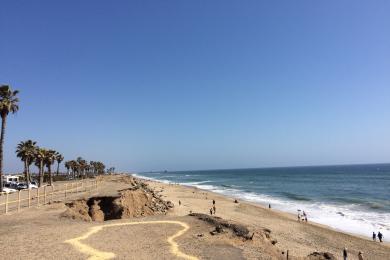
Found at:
(321, 256)
(137, 201)
(219, 223)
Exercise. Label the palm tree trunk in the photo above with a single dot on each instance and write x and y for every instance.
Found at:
(50, 176)
(41, 173)
(58, 168)
(26, 173)
(3, 124)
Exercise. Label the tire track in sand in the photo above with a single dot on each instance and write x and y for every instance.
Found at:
(95, 254)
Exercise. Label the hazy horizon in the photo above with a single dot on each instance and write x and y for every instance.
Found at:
(199, 85)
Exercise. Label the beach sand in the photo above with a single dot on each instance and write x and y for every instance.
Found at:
(299, 238)
(44, 233)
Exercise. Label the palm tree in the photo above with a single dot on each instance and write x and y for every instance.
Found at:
(74, 166)
(92, 167)
(50, 157)
(87, 169)
(100, 167)
(59, 159)
(39, 162)
(81, 165)
(25, 151)
(68, 166)
(8, 104)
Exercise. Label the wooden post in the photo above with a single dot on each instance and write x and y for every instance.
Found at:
(18, 201)
(38, 196)
(44, 195)
(6, 203)
(29, 198)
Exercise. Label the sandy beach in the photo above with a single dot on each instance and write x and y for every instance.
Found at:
(299, 238)
(151, 228)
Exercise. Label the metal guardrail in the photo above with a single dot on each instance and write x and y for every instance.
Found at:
(44, 195)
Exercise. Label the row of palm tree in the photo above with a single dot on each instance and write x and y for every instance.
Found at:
(81, 168)
(30, 153)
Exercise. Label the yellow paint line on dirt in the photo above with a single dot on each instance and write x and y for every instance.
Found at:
(95, 254)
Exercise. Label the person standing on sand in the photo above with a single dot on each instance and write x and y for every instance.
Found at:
(179, 202)
(360, 256)
(211, 211)
(345, 253)
(380, 236)
(373, 236)
(213, 202)
(269, 206)
(214, 209)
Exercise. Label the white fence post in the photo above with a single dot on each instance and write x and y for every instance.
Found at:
(6, 203)
(38, 196)
(18, 201)
(29, 198)
(44, 195)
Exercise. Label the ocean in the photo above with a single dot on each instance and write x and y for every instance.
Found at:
(350, 198)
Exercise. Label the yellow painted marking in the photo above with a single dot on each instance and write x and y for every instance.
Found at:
(95, 254)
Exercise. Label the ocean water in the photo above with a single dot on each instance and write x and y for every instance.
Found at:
(354, 198)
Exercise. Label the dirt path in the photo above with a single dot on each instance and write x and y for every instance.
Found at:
(95, 254)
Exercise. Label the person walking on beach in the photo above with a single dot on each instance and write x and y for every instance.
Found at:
(304, 218)
(299, 217)
(360, 256)
(373, 236)
(345, 253)
(380, 236)
(213, 202)
(269, 206)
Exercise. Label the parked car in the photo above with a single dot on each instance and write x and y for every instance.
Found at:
(33, 185)
(8, 190)
(12, 184)
(21, 186)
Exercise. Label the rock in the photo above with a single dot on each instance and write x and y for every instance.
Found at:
(321, 256)
(170, 204)
(238, 229)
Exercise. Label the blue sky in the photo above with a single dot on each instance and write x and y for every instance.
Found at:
(148, 85)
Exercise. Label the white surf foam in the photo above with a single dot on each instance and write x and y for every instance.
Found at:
(346, 218)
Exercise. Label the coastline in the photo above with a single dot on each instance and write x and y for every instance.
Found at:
(288, 213)
(300, 238)
(150, 216)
